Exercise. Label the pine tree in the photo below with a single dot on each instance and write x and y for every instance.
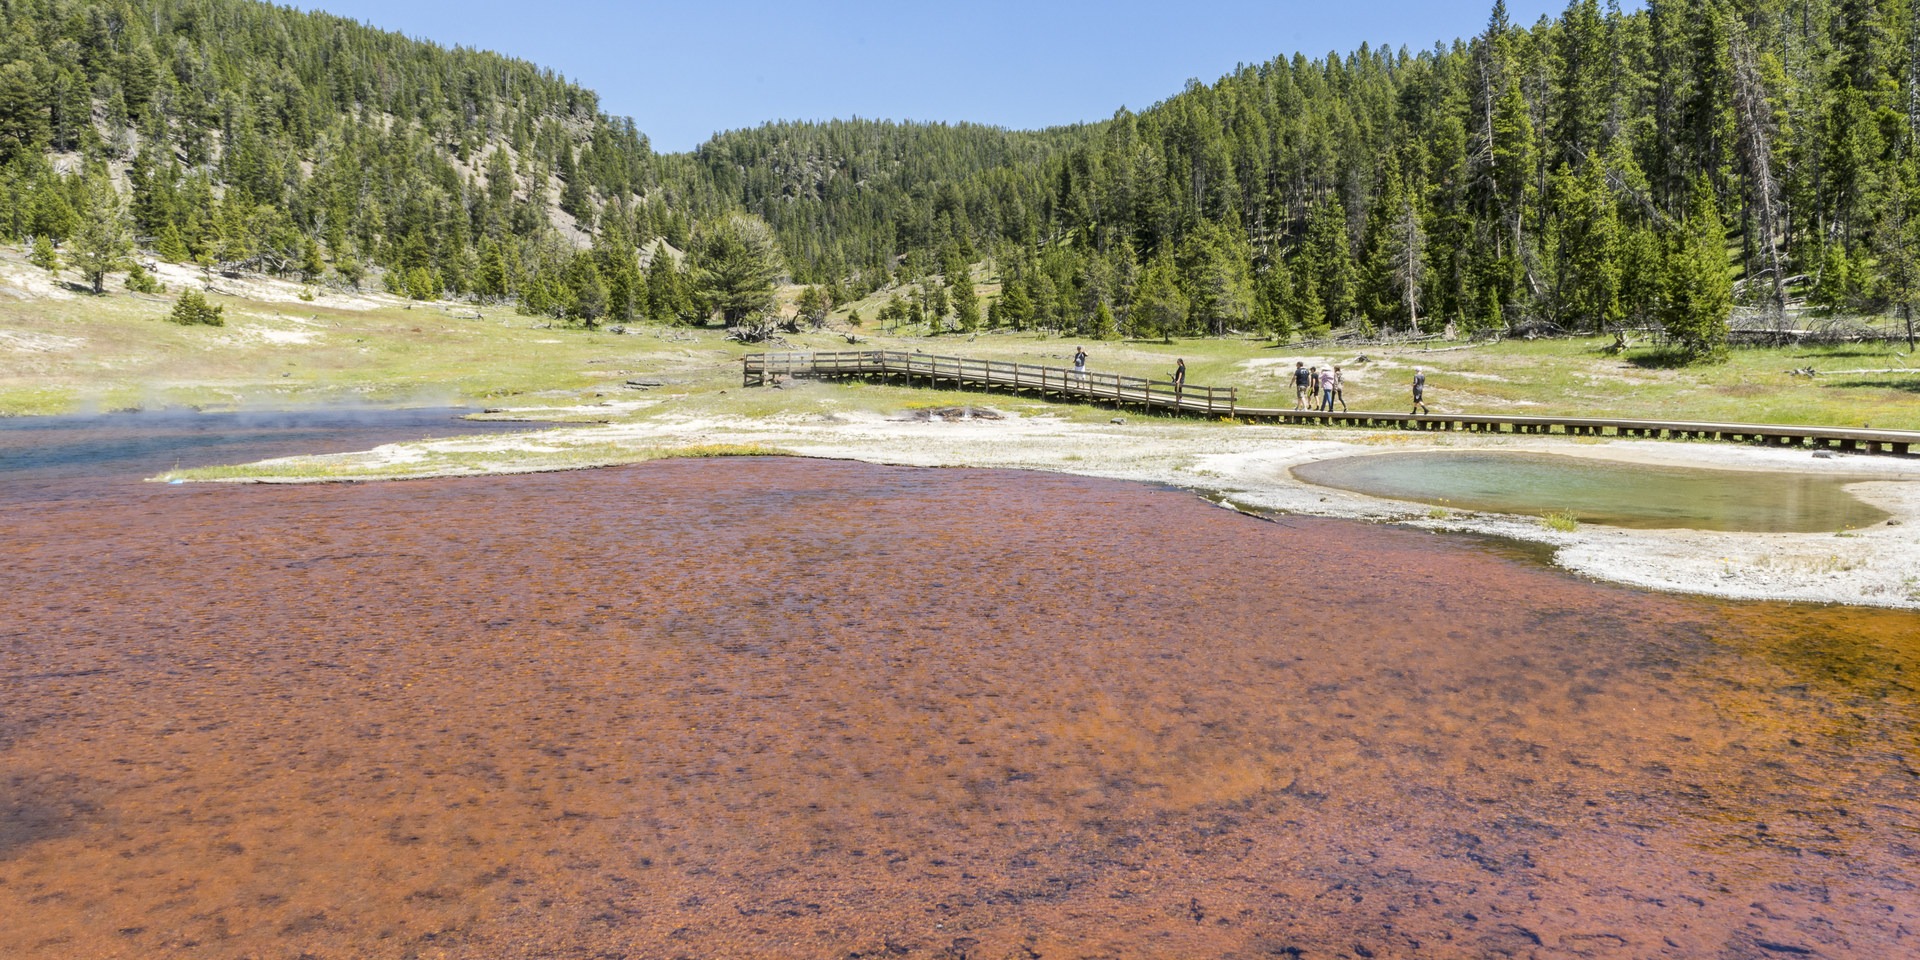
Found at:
(1584, 242)
(1328, 260)
(1585, 55)
(1306, 308)
(312, 266)
(736, 261)
(421, 284)
(1642, 265)
(140, 281)
(586, 290)
(1159, 306)
(1016, 306)
(53, 214)
(1273, 301)
(23, 113)
(933, 299)
(1214, 272)
(490, 282)
(669, 290)
(1513, 162)
(44, 255)
(1699, 287)
(1396, 244)
(1102, 326)
(1834, 286)
(104, 243)
(192, 309)
(966, 300)
(813, 306)
(1899, 247)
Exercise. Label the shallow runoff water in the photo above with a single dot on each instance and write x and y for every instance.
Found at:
(1640, 496)
(788, 708)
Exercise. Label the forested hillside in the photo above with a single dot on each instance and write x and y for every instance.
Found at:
(1599, 170)
(847, 196)
(1604, 168)
(244, 133)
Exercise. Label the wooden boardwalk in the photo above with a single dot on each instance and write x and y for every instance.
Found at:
(1163, 396)
(965, 373)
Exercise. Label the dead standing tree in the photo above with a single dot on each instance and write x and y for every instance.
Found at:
(1753, 119)
(1409, 257)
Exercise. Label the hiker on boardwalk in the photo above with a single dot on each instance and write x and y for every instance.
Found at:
(1179, 377)
(1080, 363)
(1300, 382)
(1313, 388)
(1332, 387)
(1419, 392)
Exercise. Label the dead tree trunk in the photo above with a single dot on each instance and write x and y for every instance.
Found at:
(1411, 243)
(1756, 148)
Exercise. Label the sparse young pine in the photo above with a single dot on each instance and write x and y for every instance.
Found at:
(420, 284)
(1102, 327)
(813, 306)
(895, 311)
(171, 245)
(312, 267)
(937, 305)
(140, 281)
(44, 255)
(192, 309)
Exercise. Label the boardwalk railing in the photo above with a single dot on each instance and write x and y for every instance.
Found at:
(964, 372)
(1224, 401)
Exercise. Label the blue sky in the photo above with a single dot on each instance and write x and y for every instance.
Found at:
(686, 70)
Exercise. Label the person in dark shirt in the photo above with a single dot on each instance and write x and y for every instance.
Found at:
(1419, 392)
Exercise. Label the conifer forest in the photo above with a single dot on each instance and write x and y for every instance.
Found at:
(1605, 170)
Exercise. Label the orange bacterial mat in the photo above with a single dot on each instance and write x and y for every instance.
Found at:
(788, 708)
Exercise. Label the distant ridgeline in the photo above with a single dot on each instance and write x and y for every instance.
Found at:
(1603, 169)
